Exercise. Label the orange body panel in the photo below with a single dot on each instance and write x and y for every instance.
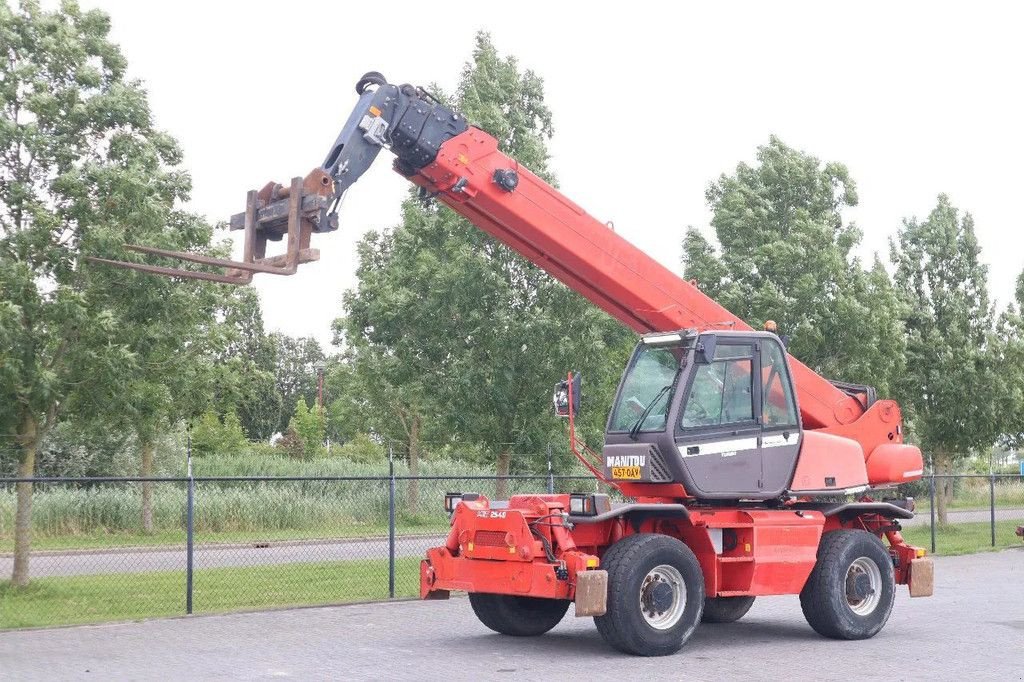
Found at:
(895, 464)
(773, 551)
(829, 462)
(442, 571)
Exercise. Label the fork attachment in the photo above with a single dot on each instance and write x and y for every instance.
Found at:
(274, 212)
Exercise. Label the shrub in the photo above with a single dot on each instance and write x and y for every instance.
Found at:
(362, 448)
(291, 444)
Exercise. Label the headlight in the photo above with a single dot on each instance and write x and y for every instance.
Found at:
(452, 500)
(589, 504)
(581, 504)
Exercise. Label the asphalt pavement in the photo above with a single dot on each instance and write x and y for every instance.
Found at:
(973, 628)
(146, 559)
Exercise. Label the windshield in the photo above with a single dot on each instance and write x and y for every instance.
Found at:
(653, 369)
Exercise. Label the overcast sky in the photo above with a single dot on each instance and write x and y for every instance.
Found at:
(651, 103)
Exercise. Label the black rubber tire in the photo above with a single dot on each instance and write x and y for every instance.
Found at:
(823, 598)
(518, 616)
(725, 609)
(628, 562)
(370, 78)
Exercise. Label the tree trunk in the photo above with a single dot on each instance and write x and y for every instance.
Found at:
(28, 440)
(147, 486)
(943, 487)
(413, 495)
(501, 485)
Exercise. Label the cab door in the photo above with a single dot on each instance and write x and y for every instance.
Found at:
(718, 434)
(780, 420)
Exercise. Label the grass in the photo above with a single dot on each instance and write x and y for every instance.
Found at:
(964, 538)
(98, 598)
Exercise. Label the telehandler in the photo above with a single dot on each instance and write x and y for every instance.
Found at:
(738, 471)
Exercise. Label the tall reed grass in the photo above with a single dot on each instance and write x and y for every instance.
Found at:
(222, 506)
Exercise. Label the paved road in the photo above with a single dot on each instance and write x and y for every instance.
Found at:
(132, 560)
(972, 628)
(923, 518)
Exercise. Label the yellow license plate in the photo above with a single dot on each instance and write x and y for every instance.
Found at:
(628, 473)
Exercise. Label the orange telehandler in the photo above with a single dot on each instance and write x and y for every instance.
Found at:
(741, 472)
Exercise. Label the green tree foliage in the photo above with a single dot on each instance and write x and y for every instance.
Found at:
(449, 327)
(786, 254)
(84, 171)
(309, 425)
(297, 363)
(1008, 346)
(214, 435)
(951, 388)
(245, 358)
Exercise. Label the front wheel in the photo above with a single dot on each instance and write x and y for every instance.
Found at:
(850, 592)
(518, 616)
(655, 595)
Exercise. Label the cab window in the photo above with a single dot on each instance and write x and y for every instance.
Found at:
(779, 408)
(722, 391)
(653, 369)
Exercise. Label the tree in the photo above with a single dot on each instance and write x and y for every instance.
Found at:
(297, 364)
(168, 329)
(246, 362)
(786, 254)
(1008, 347)
(458, 329)
(950, 388)
(84, 170)
(380, 388)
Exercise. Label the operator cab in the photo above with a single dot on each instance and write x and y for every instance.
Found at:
(714, 411)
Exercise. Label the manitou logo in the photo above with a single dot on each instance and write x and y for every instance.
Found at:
(627, 461)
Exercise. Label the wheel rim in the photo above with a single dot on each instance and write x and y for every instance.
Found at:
(662, 597)
(863, 586)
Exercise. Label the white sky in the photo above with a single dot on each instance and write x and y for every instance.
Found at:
(651, 102)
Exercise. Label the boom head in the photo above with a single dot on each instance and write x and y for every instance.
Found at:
(408, 120)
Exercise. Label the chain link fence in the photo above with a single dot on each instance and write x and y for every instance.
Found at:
(214, 544)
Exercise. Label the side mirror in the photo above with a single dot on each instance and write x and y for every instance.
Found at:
(704, 351)
(566, 398)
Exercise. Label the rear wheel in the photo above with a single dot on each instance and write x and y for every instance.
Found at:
(655, 595)
(850, 592)
(726, 609)
(518, 616)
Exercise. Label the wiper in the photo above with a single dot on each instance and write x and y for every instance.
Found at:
(635, 429)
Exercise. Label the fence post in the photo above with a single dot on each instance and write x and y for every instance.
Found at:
(931, 506)
(992, 504)
(189, 523)
(391, 523)
(551, 473)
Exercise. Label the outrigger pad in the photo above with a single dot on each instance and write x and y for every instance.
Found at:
(591, 593)
(922, 577)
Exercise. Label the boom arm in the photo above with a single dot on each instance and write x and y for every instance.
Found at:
(463, 167)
